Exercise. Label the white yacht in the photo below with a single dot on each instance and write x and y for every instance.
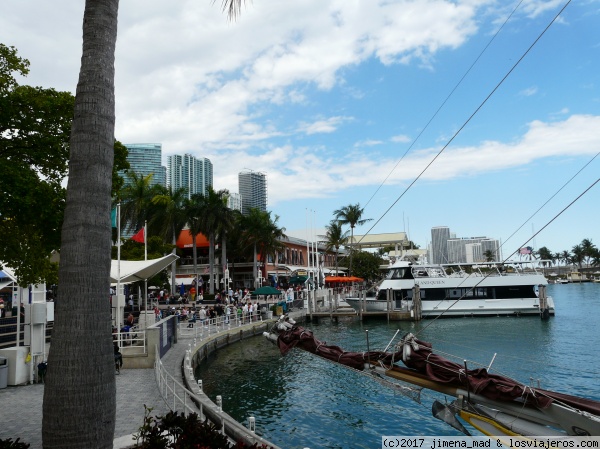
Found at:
(484, 289)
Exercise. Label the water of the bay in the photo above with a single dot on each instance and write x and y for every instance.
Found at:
(300, 400)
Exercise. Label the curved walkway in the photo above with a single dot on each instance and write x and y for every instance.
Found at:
(22, 405)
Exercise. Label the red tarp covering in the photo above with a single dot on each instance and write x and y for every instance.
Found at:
(304, 339)
(418, 355)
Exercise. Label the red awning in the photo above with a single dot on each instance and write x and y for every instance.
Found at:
(185, 240)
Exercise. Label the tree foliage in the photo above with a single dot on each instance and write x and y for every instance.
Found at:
(367, 265)
(35, 126)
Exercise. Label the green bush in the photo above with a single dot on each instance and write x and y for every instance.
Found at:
(178, 431)
(10, 444)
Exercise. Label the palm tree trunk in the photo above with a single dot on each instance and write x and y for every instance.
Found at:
(211, 262)
(174, 264)
(255, 268)
(351, 250)
(224, 261)
(79, 395)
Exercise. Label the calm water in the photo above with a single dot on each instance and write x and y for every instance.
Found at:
(302, 401)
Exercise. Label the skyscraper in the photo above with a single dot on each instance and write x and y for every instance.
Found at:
(145, 159)
(439, 244)
(253, 189)
(234, 201)
(194, 174)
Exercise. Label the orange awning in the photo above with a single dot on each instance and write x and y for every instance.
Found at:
(334, 279)
(185, 240)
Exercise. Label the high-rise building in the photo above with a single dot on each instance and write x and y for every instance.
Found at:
(234, 201)
(472, 249)
(193, 174)
(253, 190)
(439, 244)
(145, 159)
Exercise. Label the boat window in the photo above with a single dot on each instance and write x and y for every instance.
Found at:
(398, 273)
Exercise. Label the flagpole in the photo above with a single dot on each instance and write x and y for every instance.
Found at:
(145, 280)
(117, 319)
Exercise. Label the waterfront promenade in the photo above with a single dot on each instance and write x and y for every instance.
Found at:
(22, 405)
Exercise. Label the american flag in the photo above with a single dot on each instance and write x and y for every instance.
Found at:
(526, 250)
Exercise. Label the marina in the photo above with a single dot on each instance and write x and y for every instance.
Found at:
(292, 396)
(484, 289)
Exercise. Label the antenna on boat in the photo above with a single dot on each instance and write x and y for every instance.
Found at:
(490, 365)
(368, 349)
(392, 340)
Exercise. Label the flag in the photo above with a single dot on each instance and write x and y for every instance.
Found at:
(113, 218)
(139, 237)
(526, 250)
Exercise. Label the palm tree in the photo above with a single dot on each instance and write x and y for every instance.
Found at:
(136, 199)
(545, 255)
(351, 215)
(334, 239)
(80, 392)
(167, 218)
(577, 255)
(489, 255)
(588, 250)
(262, 233)
(565, 256)
(193, 213)
(83, 415)
(213, 206)
(227, 222)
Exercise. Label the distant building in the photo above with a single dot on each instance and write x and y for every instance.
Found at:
(253, 190)
(234, 201)
(193, 174)
(145, 159)
(461, 249)
(439, 244)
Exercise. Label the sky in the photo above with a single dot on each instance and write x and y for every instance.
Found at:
(460, 113)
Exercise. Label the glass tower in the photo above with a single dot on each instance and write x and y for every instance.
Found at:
(145, 159)
(253, 190)
(194, 174)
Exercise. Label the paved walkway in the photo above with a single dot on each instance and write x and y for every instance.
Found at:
(21, 406)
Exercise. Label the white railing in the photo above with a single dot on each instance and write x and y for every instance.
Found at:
(134, 341)
(173, 392)
(210, 326)
(180, 398)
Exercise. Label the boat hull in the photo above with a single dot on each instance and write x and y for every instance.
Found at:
(449, 308)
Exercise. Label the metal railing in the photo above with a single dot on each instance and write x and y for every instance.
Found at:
(134, 341)
(180, 398)
(209, 326)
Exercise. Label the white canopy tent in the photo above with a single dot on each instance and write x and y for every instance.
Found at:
(129, 271)
(138, 270)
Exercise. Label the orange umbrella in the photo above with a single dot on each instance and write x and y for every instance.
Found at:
(334, 279)
(354, 279)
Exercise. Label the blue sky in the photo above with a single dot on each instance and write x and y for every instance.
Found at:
(326, 97)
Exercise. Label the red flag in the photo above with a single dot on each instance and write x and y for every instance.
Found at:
(139, 237)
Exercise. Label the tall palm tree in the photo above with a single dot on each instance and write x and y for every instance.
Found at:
(136, 199)
(264, 235)
(80, 392)
(213, 205)
(589, 250)
(193, 214)
(167, 218)
(227, 223)
(577, 255)
(83, 415)
(335, 237)
(565, 256)
(351, 215)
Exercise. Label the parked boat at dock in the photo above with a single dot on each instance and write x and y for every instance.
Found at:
(484, 289)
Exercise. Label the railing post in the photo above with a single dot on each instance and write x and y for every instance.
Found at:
(252, 424)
